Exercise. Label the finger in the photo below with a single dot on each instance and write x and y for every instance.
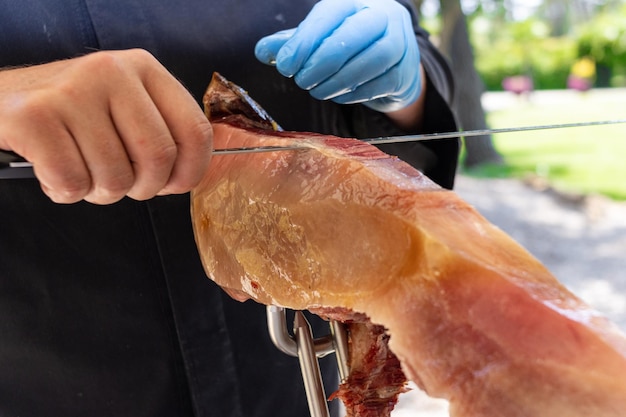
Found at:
(390, 88)
(401, 83)
(267, 48)
(88, 121)
(104, 154)
(371, 90)
(348, 40)
(188, 127)
(147, 141)
(366, 66)
(398, 43)
(323, 19)
(59, 166)
(44, 140)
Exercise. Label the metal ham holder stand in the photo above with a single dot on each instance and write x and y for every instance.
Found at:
(308, 349)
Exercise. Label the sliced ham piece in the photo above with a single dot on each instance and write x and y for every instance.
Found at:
(471, 315)
(376, 379)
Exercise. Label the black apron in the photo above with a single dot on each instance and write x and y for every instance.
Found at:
(106, 310)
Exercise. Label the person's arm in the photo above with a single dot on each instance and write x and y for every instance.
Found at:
(411, 118)
(373, 53)
(104, 126)
(353, 51)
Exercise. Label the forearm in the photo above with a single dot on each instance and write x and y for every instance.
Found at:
(411, 117)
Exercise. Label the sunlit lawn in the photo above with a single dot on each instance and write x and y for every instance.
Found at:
(581, 160)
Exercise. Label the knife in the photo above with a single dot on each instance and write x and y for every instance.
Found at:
(14, 166)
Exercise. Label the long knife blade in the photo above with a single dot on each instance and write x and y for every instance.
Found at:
(18, 168)
(429, 136)
(484, 132)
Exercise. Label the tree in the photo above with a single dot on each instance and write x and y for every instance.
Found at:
(455, 44)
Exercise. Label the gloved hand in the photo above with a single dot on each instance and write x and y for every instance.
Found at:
(350, 51)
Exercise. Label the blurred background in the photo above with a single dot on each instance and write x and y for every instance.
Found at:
(524, 47)
(560, 193)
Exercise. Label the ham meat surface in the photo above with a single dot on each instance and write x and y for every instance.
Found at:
(471, 315)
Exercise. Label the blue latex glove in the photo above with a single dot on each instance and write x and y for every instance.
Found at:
(350, 51)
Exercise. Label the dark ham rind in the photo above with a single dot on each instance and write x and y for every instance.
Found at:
(376, 379)
(471, 315)
(225, 98)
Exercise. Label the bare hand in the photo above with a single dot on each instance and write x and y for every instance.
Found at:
(105, 126)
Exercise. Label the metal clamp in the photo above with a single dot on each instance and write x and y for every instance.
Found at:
(308, 349)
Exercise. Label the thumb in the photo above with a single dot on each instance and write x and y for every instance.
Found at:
(267, 48)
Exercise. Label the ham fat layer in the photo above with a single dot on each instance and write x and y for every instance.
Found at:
(471, 315)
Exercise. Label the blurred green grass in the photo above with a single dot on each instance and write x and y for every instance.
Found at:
(586, 160)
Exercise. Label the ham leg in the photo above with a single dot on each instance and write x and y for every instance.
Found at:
(471, 315)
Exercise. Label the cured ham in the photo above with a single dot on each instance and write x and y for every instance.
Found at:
(376, 379)
(341, 226)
